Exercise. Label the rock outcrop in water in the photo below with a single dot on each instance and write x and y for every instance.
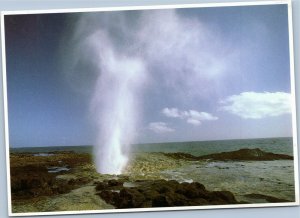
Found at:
(239, 155)
(161, 193)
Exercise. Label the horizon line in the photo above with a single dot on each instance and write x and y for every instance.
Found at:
(144, 143)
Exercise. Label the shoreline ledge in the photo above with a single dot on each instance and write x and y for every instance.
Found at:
(244, 154)
(161, 193)
(35, 186)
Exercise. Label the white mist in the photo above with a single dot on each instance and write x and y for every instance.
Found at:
(115, 104)
(128, 53)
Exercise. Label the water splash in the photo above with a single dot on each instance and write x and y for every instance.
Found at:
(124, 52)
(115, 104)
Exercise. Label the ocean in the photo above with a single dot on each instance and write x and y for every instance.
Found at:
(196, 148)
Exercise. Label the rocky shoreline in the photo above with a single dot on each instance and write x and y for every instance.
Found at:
(239, 155)
(161, 193)
(65, 180)
(31, 175)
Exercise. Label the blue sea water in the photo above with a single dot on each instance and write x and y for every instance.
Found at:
(196, 148)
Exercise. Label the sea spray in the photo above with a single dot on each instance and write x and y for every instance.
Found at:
(123, 58)
(115, 104)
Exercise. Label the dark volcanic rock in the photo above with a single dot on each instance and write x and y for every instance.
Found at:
(225, 196)
(162, 193)
(239, 155)
(163, 201)
(130, 198)
(247, 154)
(181, 155)
(109, 196)
(114, 182)
(30, 175)
(109, 184)
(31, 181)
(268, 198)
(101, 186)
(35, 181)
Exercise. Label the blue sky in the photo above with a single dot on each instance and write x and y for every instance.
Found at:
(191, 74)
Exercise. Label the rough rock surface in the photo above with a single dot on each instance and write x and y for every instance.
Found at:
(268, 198)
(162, 193)
(30, 175)
(67, 181)
(239, 155)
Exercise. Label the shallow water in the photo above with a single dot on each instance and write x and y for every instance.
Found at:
(274, 178)
(57, 169)
(43, 154)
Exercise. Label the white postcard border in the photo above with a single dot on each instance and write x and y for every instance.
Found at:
(125, 8)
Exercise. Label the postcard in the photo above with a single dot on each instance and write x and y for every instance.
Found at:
(148, 108)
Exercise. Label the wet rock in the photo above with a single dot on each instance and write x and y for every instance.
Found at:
(268, 198)
(109, 184)
(223, 197)
(114, 182)
(149, 193)
(247, 154)
(101, 186)
(191, 190)
(163, 193)
(35, 180)
(181, 155)
(109, 196)
(199, 201)
(239, 155)
(35, 174)
(163, 201)
(130, 198)
(30, 181)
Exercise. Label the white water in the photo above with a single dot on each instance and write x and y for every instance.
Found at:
(115, 105)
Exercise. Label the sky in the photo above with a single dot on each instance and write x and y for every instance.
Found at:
(168, 75)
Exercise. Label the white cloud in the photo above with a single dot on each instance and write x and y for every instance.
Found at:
(193, 121)
(200, 115)
(160, 127)
(257, 105)
(171, 112)
(191, 116)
